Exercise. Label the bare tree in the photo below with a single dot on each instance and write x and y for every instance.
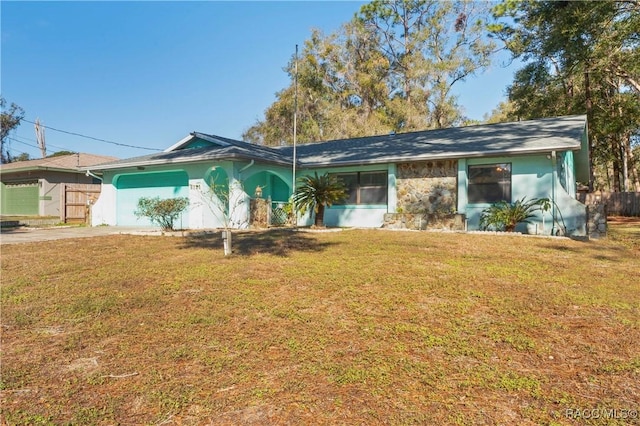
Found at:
(229, 203)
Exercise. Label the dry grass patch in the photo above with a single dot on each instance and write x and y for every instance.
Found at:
(625, 230)
(353, 327)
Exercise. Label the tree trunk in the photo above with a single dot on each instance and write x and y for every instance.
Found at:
(589, 108)
(320, 216)
(633, 171)
(625, 163)
(616, 151)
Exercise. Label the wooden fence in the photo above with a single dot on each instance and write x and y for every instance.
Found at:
(76, 199)
(618, 203)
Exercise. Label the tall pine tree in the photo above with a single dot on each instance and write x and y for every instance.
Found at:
(583, 57)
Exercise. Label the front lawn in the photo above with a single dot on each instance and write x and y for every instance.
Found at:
(625, 230)
(353, 327)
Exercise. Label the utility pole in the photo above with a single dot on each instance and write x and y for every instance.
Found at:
(40, 138)
(295, 134)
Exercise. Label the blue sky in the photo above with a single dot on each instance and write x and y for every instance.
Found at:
(148, 73)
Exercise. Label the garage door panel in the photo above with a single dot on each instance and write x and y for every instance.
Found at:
(21, 199)
(130, 188)
(152, 180)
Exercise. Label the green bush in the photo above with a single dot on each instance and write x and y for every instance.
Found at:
(162, 212)
(504, 216)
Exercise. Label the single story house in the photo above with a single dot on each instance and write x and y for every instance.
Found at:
(434, 173)
(36, 187)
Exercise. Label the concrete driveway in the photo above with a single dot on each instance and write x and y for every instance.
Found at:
(30, 235)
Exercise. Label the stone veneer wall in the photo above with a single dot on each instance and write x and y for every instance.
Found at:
(597, 221)
(259, 216)
(427, 187)
(418, 221)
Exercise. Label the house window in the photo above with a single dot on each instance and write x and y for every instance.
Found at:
(364, 187)
(489, 183)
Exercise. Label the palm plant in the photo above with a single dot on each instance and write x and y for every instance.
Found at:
(317, 192)
(504, 216)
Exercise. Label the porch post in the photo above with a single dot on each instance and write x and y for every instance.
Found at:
(392, 190)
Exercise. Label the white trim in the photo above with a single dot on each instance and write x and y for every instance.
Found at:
(182, 142)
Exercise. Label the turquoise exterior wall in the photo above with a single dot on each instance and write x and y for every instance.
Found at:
(582, 159)
(532, 176)
(359, 216)
(272, 186)
(121, 190)
(132, 186)
(566, 172)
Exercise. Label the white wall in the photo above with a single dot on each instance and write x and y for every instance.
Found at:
(357, 216)
(103, 211)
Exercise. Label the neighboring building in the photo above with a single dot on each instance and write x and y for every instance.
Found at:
(35, 187)
(434, 173)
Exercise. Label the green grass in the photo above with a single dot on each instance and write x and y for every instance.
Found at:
(352, 327)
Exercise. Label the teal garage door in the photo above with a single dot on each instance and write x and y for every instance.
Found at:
(20, 198)
(130, 188)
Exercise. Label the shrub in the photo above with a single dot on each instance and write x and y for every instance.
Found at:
(162, 212)
(504, 216)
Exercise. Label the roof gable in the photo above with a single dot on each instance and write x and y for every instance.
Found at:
(198, 140)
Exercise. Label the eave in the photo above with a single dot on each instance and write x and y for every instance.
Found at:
(42, 168)
(433, 157)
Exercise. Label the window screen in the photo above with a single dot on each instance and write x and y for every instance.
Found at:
(489, 183)
(365, 187)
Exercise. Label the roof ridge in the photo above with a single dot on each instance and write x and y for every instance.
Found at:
(58, 159)
(242, 143)
(441, 129)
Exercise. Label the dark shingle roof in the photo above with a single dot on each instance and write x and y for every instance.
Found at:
(522, 137)
(234, 150)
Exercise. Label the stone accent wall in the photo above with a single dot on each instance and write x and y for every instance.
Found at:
(259, 216)
(597, 221)
(422, 221)
(427, 187)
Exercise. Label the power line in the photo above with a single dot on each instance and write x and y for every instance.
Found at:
(33, 142)
(49, 159)
(92, 138)
(11, 138)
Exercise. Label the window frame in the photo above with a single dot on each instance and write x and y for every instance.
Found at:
(355, 190)
(477, 194)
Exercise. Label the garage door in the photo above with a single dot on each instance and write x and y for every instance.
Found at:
(20, 198)
(130, 188)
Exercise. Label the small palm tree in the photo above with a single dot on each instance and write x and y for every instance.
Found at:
(317, 192)
(504, 216)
